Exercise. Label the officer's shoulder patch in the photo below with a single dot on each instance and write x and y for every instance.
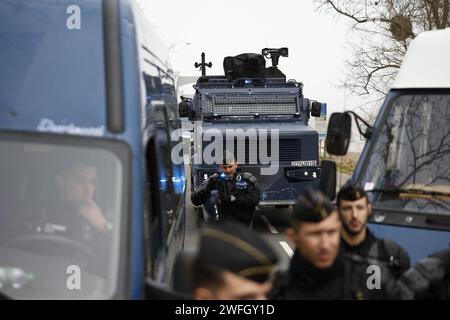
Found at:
(249, 177)
(241, 184)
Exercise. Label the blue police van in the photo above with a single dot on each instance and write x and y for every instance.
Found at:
(405, 165)
(91, 205)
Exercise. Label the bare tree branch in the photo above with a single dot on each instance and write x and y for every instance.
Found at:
(351, 16)
(381, 33)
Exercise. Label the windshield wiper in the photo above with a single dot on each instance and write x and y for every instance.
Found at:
(412, 191)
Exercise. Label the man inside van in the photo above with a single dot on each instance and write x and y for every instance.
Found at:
(74, 209)
(354, 212)
(70, 221)
(71, 210)
(234, 194)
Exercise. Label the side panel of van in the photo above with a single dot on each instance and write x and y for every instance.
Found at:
(164, 226)
(62, 76)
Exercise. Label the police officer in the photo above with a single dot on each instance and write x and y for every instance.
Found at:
(234, 193)
(354, 210)
(232, 263)
(428, 279)
(319, 268)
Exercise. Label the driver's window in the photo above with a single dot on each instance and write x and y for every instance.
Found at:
(61, 205)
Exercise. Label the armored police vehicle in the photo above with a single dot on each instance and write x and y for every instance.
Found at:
(91, 205)
(256, 113)
(405, 165)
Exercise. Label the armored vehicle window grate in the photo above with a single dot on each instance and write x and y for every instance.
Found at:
(289, 150)
(235, 105)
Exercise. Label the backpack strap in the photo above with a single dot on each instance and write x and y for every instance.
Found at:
(386, 248)
(394, 256)
(390, 248)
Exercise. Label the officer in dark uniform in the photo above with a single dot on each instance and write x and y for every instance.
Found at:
(319, 268)
(235, 194)
(354, 210)
(232, 263)
(428, 279)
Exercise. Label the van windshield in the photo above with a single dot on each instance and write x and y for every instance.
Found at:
(409, 166)
(60, 220)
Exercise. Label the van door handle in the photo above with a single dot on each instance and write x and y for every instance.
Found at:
(438, 220)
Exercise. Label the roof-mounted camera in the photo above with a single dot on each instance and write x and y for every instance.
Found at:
(275, 54)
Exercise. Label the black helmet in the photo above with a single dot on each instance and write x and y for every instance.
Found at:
(312, 206)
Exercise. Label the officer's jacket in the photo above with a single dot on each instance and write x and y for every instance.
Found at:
(347, 279)
(389, 252)
(354, 278)
(238, 197)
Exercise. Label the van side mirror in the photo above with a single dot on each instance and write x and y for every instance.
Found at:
(338, 134)
(185, 107)
(328, 178)
(316, 109)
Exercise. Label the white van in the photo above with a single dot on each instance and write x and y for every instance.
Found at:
(405, 165)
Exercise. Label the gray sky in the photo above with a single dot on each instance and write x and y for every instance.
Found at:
(316, 41)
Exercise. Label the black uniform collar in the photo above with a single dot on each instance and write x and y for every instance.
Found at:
(301, 270)
(363, 247)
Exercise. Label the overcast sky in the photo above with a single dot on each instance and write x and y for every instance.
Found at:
(316, 40)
